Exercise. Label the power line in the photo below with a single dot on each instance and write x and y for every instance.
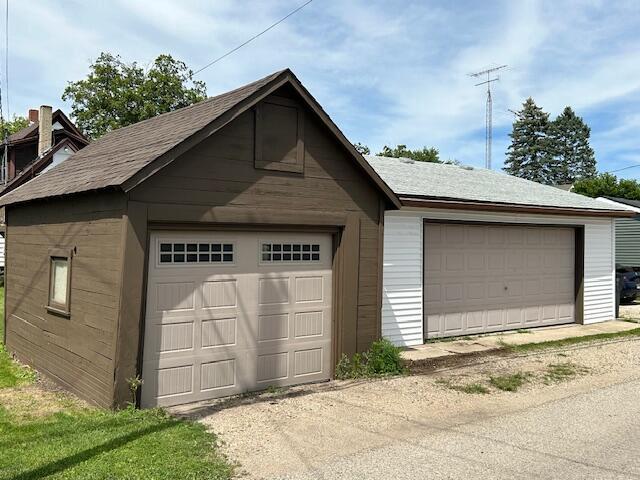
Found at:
(252, 38)
(624, 168)
(6, 59)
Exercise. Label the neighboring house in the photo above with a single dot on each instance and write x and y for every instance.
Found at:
(627, 232)
(49, 139)
(474, 251)
(221, 248)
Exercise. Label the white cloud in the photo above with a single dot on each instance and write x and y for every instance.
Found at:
(386, 72)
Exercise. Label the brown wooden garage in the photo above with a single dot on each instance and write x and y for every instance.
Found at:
(223, 247)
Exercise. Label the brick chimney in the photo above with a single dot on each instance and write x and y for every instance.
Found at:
(45, 126)
(33, 115)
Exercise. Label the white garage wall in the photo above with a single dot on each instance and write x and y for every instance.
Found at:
(402, 271)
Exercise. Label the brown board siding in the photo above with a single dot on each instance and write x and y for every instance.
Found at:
(77, 351)
(219, 174)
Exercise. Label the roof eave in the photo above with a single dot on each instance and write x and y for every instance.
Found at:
(460, 204)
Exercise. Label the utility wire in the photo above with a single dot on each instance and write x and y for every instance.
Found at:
(6, 60)
(252, 38)
(625, 168)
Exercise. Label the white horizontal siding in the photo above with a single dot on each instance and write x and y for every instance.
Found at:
(402, 280)
(402, 271)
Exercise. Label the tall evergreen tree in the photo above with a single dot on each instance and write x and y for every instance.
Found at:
(529, 155)
(573, 156)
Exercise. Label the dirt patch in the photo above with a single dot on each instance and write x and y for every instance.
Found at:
(39, 399)
(303, 427)
(631, 311)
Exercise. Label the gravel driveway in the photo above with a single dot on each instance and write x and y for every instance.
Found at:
(305, 431)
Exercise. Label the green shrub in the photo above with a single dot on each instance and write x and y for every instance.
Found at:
(383, 358)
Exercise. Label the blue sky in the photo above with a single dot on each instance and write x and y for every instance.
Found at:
(387, 72)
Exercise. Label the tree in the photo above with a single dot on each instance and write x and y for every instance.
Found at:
(363, 149)
(530, 155)
(420, 155)
(573, 156)
(116, 94)
(608, 185)
(12, 126)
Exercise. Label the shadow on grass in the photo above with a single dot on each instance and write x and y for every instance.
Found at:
(77, 458)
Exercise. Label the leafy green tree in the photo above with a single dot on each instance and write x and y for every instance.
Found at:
(573, 157)
(363, 149)
(530, 154)
(608, 185)
(116, 94)
(423, 154)
(12, 126)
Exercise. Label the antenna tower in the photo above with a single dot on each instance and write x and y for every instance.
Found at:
(489, 111)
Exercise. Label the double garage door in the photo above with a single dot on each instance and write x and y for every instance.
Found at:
(485, 278)
(233, 312)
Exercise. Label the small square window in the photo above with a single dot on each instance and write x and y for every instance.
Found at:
(227, 257)
(296, 247)
(165, 258)
(277, 257)
(216, 257)
(315, 256)
(286, 257)
(286, 248)
(306, 256)
(203, 257)
(277, 247)
(203, 247)
(296, 257)
(227, 247)
(192, 257)
(266, 247)
(178, 257)
(59, 282)
(266, 257)
(216, 247)
(306, 248)
(192, 247)
(178, 247)
(165, 247)
(315, 248)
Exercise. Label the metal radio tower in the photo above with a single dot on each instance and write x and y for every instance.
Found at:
(489, 112)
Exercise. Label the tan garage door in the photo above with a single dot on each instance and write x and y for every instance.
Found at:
(234, 312)
(487, 278)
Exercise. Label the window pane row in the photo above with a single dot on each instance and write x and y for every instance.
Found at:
(196, 252)
(290, 252)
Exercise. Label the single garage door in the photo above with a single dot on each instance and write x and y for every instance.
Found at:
(487, 278)
(234, 312)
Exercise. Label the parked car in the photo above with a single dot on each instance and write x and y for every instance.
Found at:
(630, 284)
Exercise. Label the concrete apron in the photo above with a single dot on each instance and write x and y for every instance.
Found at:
(492, 341)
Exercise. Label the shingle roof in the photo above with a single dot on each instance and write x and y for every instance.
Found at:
(120, 154)
(624, 201)
(453, 182)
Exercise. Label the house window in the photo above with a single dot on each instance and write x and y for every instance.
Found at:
(290, 252)
(60, 282)
(179, 253)
(279, 135)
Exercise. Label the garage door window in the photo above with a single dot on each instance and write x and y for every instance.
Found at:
(290, 252)
(207, 253)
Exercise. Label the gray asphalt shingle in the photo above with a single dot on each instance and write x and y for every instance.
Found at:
(453, 182)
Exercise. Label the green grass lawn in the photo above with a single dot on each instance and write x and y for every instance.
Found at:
(52, 435)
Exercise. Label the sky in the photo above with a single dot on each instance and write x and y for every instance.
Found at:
(387, 72)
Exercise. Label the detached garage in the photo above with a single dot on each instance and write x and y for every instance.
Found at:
(225, 247)
(474, 251)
